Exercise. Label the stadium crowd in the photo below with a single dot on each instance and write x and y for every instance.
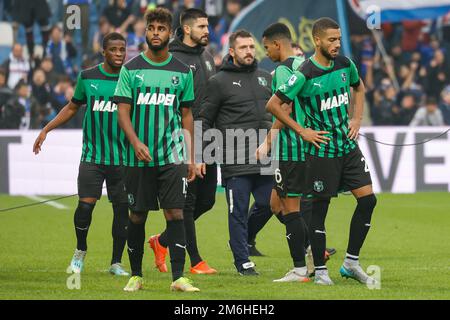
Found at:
(408, 86)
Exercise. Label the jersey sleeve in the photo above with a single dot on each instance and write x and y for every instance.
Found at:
(124, 92)
(290, 89)
(187, 97)
(282, 74)
(354, 76)
(79, 97)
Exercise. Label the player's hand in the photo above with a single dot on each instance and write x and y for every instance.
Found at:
(262, 150)
(354, 127)
(200, 170)
(191, 172)
(314, 137)
(39, 141)
(142, 152)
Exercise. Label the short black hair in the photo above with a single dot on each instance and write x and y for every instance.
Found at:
(430, 100)
(277, 31)
(190, 15)
(161, 15)
(238, 34)
(111, 37)
(323, 24)
(20, 84)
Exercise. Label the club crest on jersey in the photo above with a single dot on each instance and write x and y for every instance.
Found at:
(262, 81)
(344, 77)
(318, 186)
(104, 106)
(175, 80)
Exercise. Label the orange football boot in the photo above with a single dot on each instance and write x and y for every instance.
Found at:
(202, 268)
(160, 253)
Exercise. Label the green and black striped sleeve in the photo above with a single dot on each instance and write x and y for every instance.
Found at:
(124, 90)
(79, 96)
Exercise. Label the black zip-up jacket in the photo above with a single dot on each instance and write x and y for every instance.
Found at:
(200, 62)
(236, 98)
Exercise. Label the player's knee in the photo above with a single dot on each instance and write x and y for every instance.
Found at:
(83, 214)
(174, 214)
(368, 202)
(138, 218)
(366, 205)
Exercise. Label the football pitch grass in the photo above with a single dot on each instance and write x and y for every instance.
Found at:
(409, 241)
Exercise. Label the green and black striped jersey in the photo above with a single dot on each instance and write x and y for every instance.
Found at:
(324, 94)
(103, 140)
(156, 93)
(289, 144)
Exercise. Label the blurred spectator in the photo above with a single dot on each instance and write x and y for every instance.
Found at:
(5, 94)
(428, 115)
(437, 75)
(119, 16)
(104, 27)
(384, 104)
(219, 36)
(445, 105)
(135, 39)
(297, 50)
(60, 100)
(50, 74)
(186, 4)
(410, 35)
(84, 20)
(403, 115)
(61, 51)
(214, 9)
(16, 67)
(40, 88)
(26, 13)
(22, 111)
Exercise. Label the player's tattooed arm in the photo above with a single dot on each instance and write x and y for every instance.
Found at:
(274, 106)
(140, 149)
(66, 113)
(355, 122)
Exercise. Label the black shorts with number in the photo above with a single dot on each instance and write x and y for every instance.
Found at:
(148, 186)
(326, 177)
(91, 177)
(290, 178)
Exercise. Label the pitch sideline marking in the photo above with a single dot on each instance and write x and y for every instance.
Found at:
(50, 203)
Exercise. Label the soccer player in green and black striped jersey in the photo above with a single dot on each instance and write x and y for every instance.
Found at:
(288, 153)
(103, 153)
(154, 95)
(334, 163)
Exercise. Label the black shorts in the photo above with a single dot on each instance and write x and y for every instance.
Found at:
(26, 12)
(150, 188)
(91, 177)
(290, 178)
(326, 177)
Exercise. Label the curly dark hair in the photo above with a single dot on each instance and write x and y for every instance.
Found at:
(161, 15)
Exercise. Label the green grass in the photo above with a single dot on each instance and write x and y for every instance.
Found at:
(409, 240)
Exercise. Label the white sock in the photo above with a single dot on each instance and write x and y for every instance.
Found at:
(351, 260)
(301, 271)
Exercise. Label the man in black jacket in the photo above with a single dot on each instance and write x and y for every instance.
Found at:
(235, 104)
(189, 47)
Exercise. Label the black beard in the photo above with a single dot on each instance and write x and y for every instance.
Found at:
(199, 42)
(326, 54)
(157, 48)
